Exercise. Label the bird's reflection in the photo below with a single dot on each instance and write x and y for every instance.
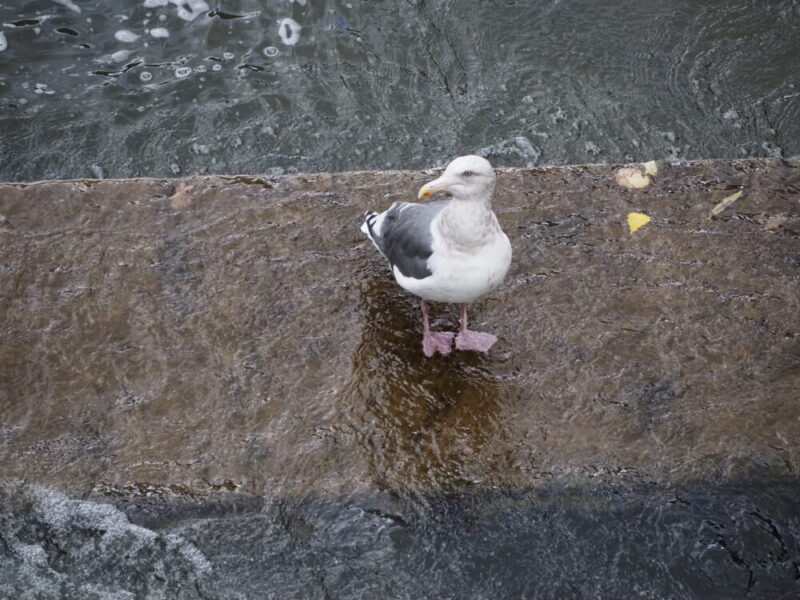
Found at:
(425, 423)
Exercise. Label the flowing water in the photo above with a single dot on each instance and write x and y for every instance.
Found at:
(212, 388)
(122, 88)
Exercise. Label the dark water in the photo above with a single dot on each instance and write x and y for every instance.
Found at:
(165, 87)
(735, 540)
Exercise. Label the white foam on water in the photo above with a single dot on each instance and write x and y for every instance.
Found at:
(289, 30)
(91, 531)
(155, 3)
(125, 35)
(3, 41)
(159, 32)
(182, 72)
(730, 115)
(69, 4)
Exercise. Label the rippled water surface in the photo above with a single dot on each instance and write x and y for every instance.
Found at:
(173, 87)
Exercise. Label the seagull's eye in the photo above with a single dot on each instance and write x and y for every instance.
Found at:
(467, 174)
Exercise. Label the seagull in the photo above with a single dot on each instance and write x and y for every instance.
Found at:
(450, 251)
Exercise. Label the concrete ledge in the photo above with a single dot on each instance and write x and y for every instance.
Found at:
(238, 334)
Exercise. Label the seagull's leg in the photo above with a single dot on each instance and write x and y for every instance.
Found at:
(472, 340)
(434, 341)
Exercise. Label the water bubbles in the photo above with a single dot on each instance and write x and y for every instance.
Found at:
(592, 148)
(3, 41)
(69, 4)
(155, 3)
(217, 67)
(182, 72)
(126, 36)
(159, 32)
(145, 76)
(227, 55)
(194, 9)
(120, 55)
(772, 150)
(289, 30)
(42, 88)
(271, 51)
(559, 116)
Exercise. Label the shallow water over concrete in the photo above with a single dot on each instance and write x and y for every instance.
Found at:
(227, 360)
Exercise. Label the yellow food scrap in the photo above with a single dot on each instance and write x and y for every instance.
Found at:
(650, 168)
(632, 178)
(726, 202)
(637, 220)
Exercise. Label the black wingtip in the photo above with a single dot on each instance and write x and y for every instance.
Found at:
(369, 219)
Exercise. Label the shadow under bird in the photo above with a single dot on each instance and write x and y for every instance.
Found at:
(446, 251)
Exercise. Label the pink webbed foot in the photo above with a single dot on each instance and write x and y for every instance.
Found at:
(437, 341)
(475, 340)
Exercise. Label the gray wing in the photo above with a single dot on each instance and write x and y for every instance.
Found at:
(405, 236)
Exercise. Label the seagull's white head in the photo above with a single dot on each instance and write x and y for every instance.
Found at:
(465, 178)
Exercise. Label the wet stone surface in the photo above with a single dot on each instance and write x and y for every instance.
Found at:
(216, 381)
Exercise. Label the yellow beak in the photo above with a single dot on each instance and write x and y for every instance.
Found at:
(431, 188)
